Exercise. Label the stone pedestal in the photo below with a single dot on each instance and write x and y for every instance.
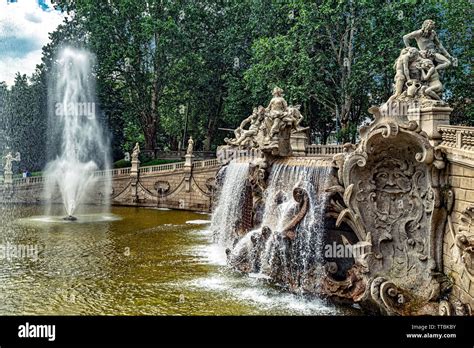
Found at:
(188, 169)
(429, 118)
(284, 143)
(188, 161)
(8, 179)
(135, 168)
(134, 174)
(299, 141)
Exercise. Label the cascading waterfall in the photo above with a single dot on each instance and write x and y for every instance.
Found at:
(77, 145)
(228, 209)
(295, 264)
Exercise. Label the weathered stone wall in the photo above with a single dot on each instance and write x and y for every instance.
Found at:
(180, 189)
(458, 257)
(171, 186)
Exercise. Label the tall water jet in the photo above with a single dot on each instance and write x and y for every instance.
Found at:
(77, 144)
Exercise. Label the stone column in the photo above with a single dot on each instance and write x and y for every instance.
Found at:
(429, 118)
(134, 176)
(188, 170)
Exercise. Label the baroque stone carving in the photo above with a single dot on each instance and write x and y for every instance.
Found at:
(245, 255)
(268, 131)
(162, 187)
(388, 193)
(301, 197)
(269, 128)
(464, 240)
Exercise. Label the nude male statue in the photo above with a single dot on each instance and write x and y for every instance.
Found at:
(429, 45)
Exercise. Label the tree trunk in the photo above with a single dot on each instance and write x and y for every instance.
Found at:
(149, 131)
(211, 125)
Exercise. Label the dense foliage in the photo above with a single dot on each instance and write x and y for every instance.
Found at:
(170, 69)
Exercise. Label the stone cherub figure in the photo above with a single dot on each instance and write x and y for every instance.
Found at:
(429, 45)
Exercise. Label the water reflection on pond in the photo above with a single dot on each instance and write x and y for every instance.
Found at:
(145, 262)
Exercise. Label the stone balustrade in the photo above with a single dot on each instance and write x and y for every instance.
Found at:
(125, 172)
(29, 180)
(323, 150)
(459, 137)
(457, 142)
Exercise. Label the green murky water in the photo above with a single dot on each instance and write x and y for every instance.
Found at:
(148, 262)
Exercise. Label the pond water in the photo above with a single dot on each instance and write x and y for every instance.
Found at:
(134, 261)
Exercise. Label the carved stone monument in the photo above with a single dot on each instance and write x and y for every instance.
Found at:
(390, 199)
(135, 161)
(270, 129)
(418, 86)
(189, 153)
(273, 132)
(390, 191)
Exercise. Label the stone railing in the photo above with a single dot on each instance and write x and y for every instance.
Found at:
(29, 180)
(323, 150)
(459, 137)
(121, 172)
(207, 163)
(178, 155)
(113, 172)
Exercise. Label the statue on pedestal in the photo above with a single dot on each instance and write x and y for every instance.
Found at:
(136, 152)
(417, 69)
(268, 126)
(8, 161)
(189, 151)
(8, 167)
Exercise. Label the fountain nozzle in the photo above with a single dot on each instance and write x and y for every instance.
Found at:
(70, 218)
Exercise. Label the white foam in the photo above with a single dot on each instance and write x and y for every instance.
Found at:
(198, 222)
